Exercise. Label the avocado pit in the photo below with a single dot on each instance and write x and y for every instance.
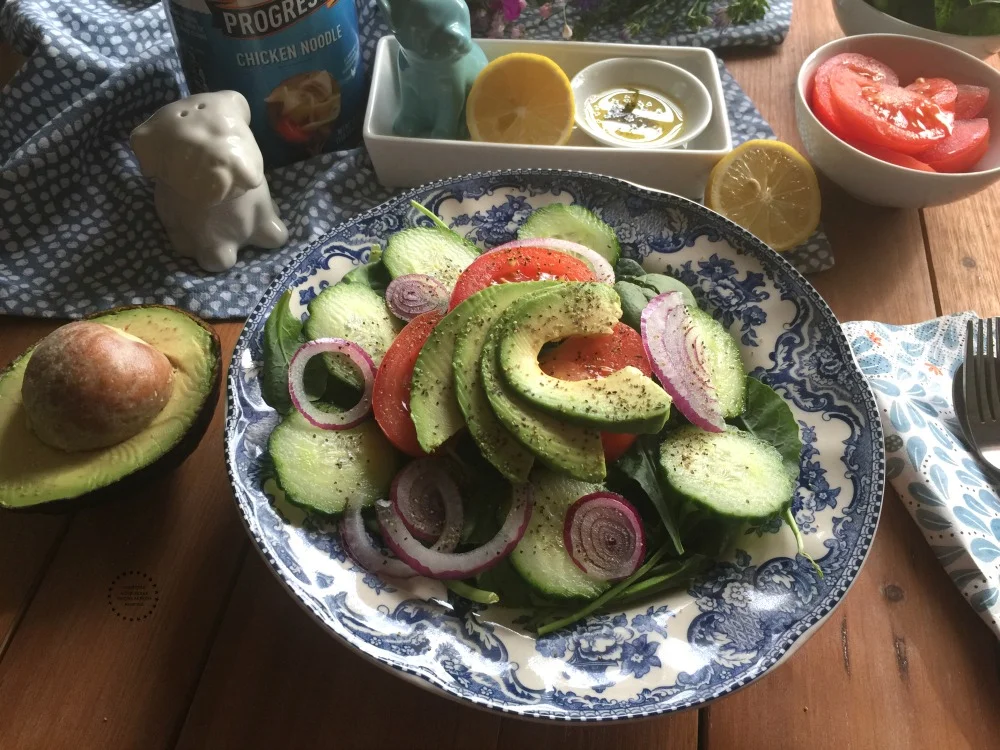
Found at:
(89, 386)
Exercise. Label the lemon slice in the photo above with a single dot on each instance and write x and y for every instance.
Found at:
(521, 98)
(768, 188)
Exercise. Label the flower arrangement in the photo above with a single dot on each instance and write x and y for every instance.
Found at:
(499, 18)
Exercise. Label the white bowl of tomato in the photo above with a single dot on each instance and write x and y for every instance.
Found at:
(900, 121)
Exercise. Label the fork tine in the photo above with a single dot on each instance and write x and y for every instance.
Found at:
(969, 374)
(991, 369)
(980, 367)
(989, 384)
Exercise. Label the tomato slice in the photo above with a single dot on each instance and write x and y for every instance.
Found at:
(941, 91)
(822, 94)
(970, 101)
(887, 116)
(391, 393)
(518, 264)
(893, 157)
(959, 152)
(592, 357)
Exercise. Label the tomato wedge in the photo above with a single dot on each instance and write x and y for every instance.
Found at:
(893, 157)
(887, 116)
(391, 392)
(941, 91)
(959, 152)
(970, 101)
(822, 94)
(518, 264)
(591, 357)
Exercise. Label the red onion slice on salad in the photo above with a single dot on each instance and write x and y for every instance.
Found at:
(677, 355)
(604, 536)
(428, 503)
(415, 294)
(598, 264)
(454, 565)
(325, 420)
(359, 545)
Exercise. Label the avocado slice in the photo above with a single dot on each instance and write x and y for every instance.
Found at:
(35, 476)
(478, 313)
(563, 446)
(433, 403)
(624, 401)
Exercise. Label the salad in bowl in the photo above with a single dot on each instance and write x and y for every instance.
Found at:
(544, 407)
(554, 444)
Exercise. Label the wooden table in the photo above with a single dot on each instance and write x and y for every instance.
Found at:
(226, 659)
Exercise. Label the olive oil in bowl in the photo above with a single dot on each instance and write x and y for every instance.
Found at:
(636, 116)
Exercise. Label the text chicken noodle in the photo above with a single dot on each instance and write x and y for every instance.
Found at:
(297, 62)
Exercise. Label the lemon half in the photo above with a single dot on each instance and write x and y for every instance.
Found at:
(768, 188)
(521, 98)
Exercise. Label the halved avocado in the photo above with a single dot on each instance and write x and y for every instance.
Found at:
(35, 476)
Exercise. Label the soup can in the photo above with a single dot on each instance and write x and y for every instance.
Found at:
(297, 62)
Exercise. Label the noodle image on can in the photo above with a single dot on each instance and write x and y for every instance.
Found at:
(297, 62)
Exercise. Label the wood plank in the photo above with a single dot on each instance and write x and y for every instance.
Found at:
(676, 732)
(111, 648)
(963, 240)
(277, 679)
(904, 662)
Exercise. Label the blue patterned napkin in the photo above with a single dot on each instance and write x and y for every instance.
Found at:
(78, 231)
(956, 506)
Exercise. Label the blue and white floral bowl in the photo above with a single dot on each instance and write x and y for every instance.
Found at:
(737, 621)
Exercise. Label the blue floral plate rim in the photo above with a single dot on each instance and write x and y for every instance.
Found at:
(783, 648)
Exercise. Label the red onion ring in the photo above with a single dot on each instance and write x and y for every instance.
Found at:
(598, 264)
(677, 356)
(604, 536)
(358, 544)
(415, 294)
(453, 565)
(428, 503)
(325, 420)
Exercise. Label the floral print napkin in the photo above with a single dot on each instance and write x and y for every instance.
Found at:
(929, 463)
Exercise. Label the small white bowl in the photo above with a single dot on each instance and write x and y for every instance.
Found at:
(858, 17)
(873, 180)
(682, 88)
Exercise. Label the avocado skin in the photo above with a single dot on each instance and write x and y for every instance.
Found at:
(131, 483)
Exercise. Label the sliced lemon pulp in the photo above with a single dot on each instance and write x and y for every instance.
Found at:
(521, 98)
(768, 188)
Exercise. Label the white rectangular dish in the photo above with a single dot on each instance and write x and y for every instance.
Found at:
(408, 162)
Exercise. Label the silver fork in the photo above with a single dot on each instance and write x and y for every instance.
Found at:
(982, 388)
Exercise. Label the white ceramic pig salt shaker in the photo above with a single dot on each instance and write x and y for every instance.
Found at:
(210, 192)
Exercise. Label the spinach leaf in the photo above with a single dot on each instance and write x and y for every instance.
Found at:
(282, 337)
(626, 268)
(770, 419)
(634, 299)
(968, 17)
(641, 464)
(372, 274)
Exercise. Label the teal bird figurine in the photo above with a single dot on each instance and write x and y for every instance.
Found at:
(436, 66)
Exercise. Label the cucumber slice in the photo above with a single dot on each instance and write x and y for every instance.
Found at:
(321, 469)
(724, 364)
(541, 557)
(730, 473)
(431, 251)
(356, 313)
(575, 224)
